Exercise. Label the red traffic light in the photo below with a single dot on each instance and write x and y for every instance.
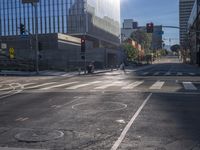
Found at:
(150, 27)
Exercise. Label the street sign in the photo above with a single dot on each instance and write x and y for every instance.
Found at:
(30, 1)
(3, 45)
(12, 53)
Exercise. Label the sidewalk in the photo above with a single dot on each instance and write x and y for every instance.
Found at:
(49, 73)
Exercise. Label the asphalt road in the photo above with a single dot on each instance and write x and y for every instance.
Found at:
(155, 107)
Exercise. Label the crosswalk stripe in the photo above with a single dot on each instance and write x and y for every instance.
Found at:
(145, 73)
(189, 86)
(82, 85)
(108, 85)
(133, 85)
(157, 73)
(179, 74)
(168, 74)
(40, 85)
(158, 85)
(59, 85)
(192, 74)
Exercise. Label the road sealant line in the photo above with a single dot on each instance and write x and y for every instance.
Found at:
(128, 126)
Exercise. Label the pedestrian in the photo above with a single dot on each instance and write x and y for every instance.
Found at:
(122, 67)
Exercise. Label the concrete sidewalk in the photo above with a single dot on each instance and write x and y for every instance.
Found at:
(49, 73)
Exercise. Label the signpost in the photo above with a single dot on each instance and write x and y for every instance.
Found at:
(3, 45)
(12, 53)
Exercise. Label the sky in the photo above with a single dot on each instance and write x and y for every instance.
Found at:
(160, 12)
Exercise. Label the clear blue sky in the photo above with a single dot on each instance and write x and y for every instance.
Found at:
(160, 12)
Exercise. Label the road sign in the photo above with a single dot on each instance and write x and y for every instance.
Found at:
(12, 53)
(3, 45)
(30, 1)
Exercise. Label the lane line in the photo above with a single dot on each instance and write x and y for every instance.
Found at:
(82, 85)
(157, 86)
(128, 126)
(59, 85)
(133, 85)
(41, 85)
(189, 86)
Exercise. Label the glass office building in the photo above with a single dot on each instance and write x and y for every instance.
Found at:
(98, 19)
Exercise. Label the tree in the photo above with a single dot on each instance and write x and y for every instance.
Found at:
(175, 48)
(130, 51)
(143, 38)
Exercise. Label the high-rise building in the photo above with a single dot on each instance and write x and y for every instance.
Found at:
(185, 8)
(98, 21)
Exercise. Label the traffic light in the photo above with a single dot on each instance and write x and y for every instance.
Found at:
(22, 29)
(150, 27)
(82, 45)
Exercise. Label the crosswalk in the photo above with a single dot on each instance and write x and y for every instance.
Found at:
(109, 85)
(140, 85)
(168, 73)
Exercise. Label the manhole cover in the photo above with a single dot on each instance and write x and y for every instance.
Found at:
(38, 135)
(100, 107)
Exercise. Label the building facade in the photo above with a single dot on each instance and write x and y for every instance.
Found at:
(97, 20)
(185, 8)
(193, 34)
(129, 26)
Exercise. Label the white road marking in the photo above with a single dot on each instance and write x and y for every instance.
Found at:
(40, 85)
(128, 126)
(9, 148)
(179, 74)
(192, 74)
(82, 85)
(189, 86)
(4, 89)
(133, 85)
(157, 73)
(145, 73)
(168, 73)
(157, 86)
(59, 85)
(28, 84)
(108, 85)
(22, 119)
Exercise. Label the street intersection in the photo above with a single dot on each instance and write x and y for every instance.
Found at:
(155, 107)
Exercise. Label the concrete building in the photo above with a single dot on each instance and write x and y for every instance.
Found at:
(185, 8)
(98, 21)
(194, 41)
(129, 25)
